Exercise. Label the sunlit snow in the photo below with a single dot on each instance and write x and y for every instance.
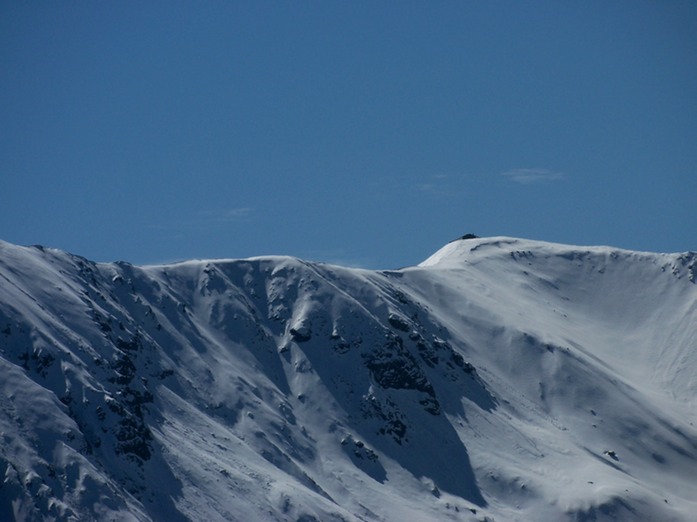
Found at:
(501, 378)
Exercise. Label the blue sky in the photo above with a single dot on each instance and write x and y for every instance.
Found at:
(362, 133)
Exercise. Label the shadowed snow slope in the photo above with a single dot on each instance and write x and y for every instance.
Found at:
(501, 378)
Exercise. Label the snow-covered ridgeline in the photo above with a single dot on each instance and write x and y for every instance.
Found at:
(502, 377)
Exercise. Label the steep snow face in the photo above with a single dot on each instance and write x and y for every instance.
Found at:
(501, 378)
(632, 301)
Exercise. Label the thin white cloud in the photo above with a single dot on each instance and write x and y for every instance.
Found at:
(429, 187)
(229, 215)
(530, 176)
(441, 185)
(206, 219)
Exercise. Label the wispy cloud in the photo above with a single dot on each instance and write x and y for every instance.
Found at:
(230, 215)
(441, 185)
(206, 219)
(530, 176)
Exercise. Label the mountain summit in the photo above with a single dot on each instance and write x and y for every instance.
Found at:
(500, 379)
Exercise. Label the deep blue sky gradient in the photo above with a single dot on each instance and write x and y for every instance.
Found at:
(363, 133)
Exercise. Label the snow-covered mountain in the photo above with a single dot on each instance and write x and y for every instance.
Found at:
(501, 379)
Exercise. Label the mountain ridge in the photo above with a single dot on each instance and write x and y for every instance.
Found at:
(466, 387)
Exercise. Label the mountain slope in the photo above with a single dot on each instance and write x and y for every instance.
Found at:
(501, 378)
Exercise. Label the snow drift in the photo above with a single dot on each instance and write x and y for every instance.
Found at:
(501, 379)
